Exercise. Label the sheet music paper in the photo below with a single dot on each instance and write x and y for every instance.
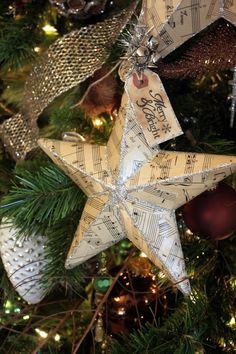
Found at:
(167, 245)
(84, 163)
(174, 22)
(156, 13)
(127, 147)
(171, 179)
(135, 195)
(99, 229)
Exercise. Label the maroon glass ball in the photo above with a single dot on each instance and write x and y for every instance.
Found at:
(212, 213)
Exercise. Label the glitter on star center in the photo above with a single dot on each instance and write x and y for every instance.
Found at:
(118, 194)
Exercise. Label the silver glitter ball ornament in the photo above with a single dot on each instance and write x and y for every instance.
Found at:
(24, 261)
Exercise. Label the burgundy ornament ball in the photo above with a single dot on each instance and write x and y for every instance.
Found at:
(212, 213)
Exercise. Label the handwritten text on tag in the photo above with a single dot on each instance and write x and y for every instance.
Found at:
(152, 107)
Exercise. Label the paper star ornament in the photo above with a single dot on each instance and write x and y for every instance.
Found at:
(174, 22)
(133, 194)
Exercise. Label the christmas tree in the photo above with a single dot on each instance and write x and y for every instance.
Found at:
(117, 176)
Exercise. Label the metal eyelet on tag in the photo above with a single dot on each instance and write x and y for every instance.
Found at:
(140, 81)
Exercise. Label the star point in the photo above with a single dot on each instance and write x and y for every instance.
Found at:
(133, 191)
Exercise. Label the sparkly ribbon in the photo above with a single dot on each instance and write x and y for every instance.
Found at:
(68, 62)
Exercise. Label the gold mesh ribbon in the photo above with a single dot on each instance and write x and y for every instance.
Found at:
(68, 62)
(19, 138)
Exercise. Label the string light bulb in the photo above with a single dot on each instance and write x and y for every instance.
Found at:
(232, 322)
(37, 49)
(44, 334)
(142, 254)
(41, 333)
(97, 122)
(57, 338)
(49, 30)
(121, 311)
(117, 299)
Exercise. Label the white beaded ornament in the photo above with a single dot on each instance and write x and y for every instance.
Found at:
(24, 261)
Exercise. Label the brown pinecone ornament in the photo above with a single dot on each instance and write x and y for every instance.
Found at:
(81, 9)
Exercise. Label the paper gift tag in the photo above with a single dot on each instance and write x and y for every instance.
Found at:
(152, 107)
